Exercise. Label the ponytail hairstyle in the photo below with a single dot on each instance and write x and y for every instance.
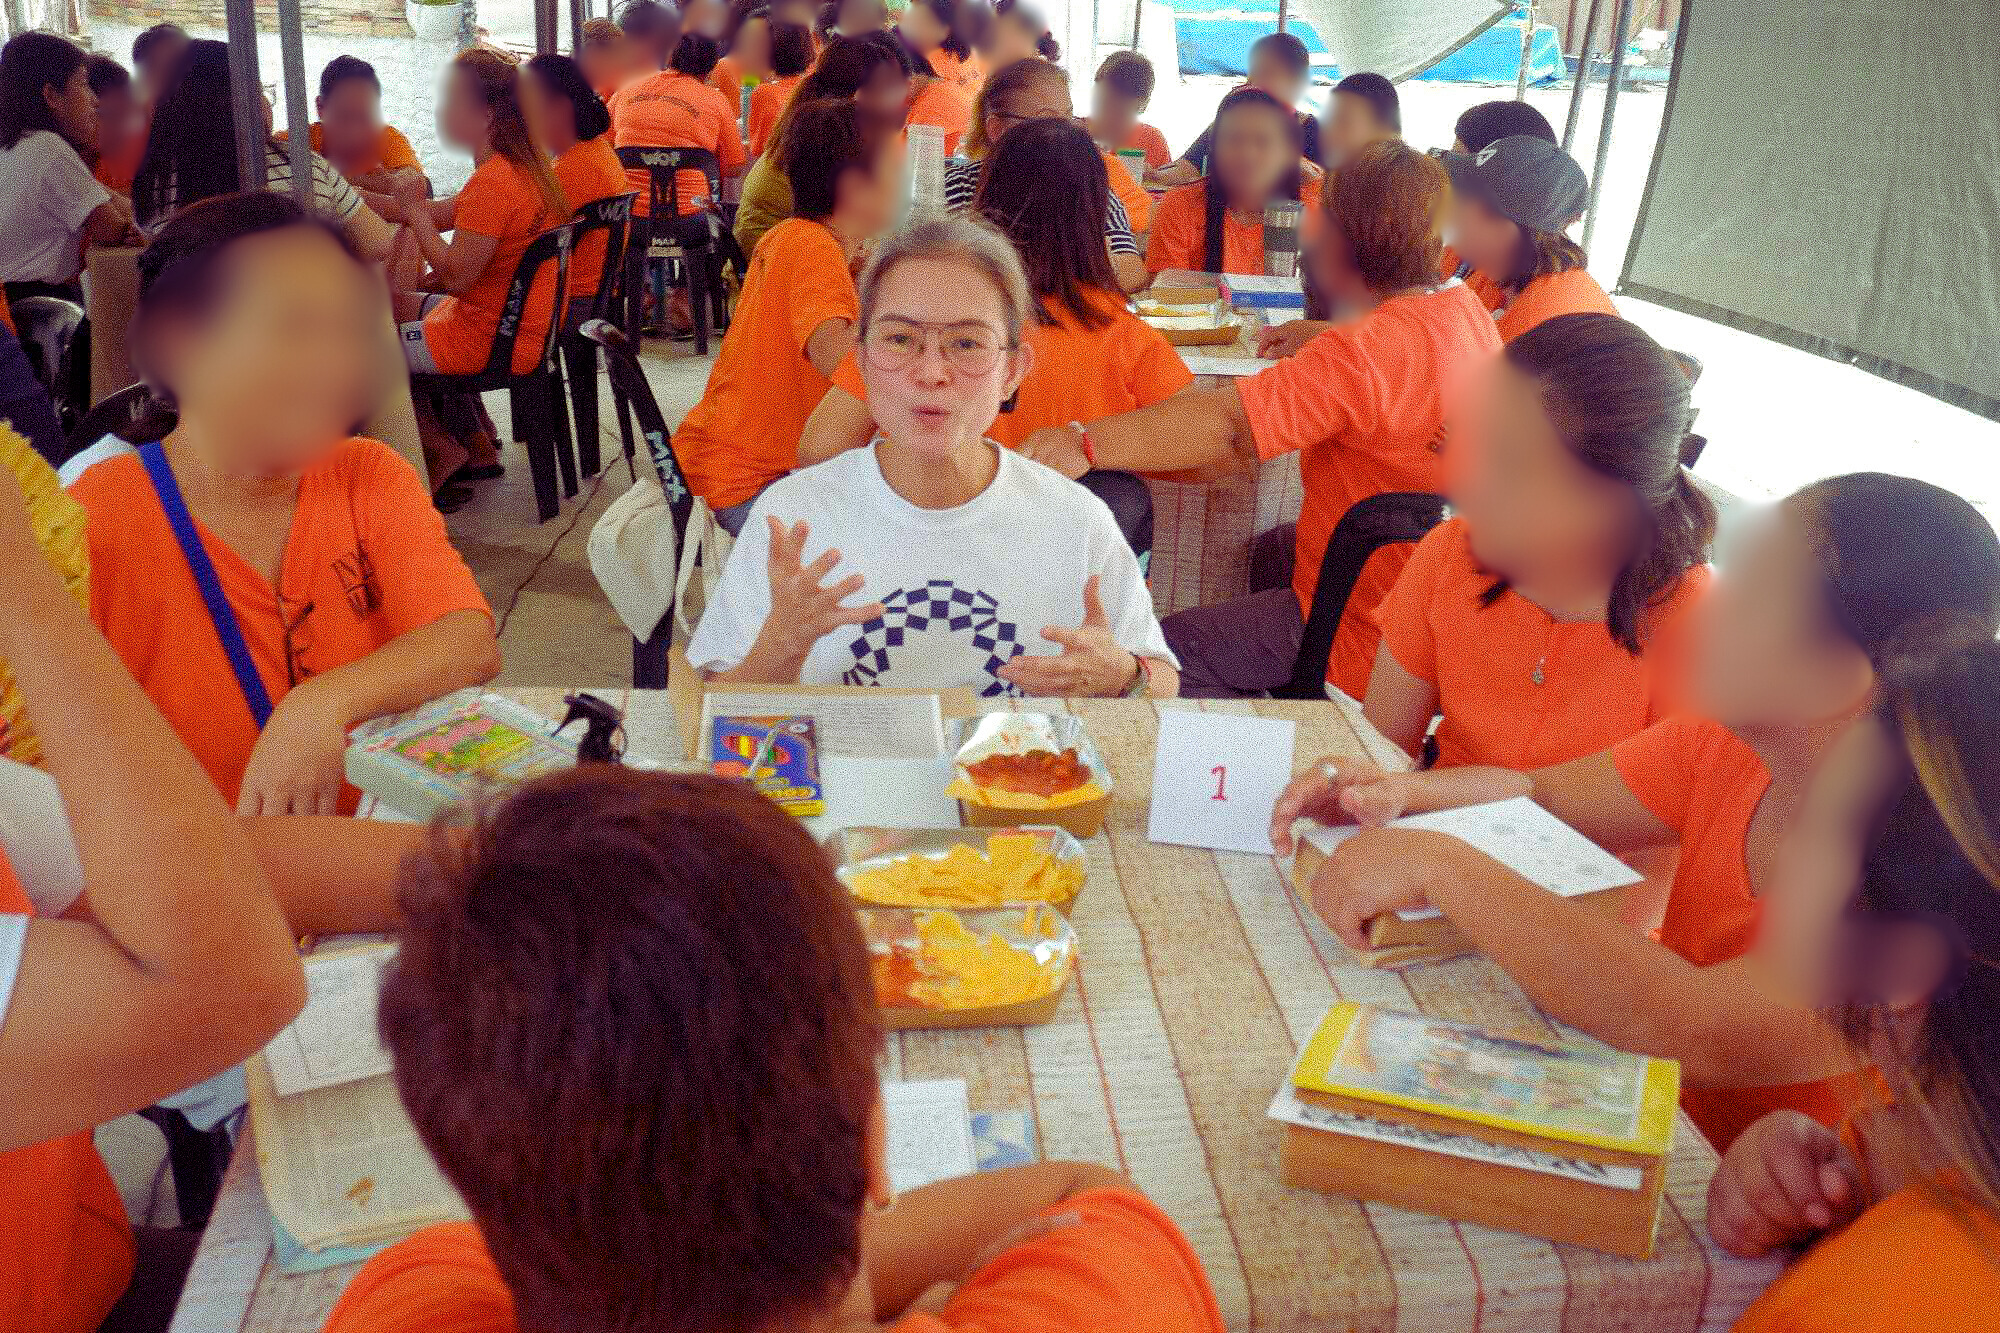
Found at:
(958, 238)
(1215, 200)
(1031, 20)
(495, 80)
(1045, 187)
(1000, 92)
(1934, 861)
(1619, 403)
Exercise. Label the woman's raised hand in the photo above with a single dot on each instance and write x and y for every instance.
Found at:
(1090, 665)
(804, 607)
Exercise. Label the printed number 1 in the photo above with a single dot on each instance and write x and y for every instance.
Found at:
(1221, 772)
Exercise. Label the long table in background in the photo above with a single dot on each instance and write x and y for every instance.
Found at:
(1200, 976)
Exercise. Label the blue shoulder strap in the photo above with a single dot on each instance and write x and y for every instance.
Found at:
(220, 612)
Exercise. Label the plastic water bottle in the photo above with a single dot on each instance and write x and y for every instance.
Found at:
(926, 170)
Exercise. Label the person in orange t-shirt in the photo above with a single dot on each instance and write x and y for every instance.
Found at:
(122, 124)
(1548, 618)
(1123, 89)
(351, 136)
(791, 57)
(1217, 225)
(796, 318)
(763, 1012)
(677, 109)
(748, 54)
(569, 121)
(607, 57)
(934, 30)
(348, 597)
(933, 101)
(1092, 356)
(1363, 405)
(1885, 911)
(453, 313)
(1823, 594)
(1511, 202)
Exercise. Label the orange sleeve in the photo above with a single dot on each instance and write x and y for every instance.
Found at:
(440, 1280)
(1660, 766)
(1405, 614)
(1670, 646)
(1311, 397)
(6, 318)
(395, 151)
(818, 286)
(418, 571)
(1138, 203)
(1157, 369)
(847, 376)
(1176, 238)
(1125, 1268)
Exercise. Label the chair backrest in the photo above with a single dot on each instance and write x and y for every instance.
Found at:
(611, 215)
(118, 415)
(46, 326)
(1367, 526)
(553, 246)
(631, 383)
(664, 165)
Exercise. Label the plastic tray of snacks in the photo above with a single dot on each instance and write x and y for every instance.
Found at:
(963, 869)
(1191, 317)
(936, 968)
(1034, 767)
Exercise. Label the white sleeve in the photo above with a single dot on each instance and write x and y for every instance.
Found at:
(69, 193)
(35, 837)
(1122, 589)
(13, 939)
(742, 601)
(331, 192)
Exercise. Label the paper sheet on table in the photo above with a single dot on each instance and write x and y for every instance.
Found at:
(334, 1038)
(1520, 835)
(873, 724)
(890, 793)
(930, 1132)
(1210, 363)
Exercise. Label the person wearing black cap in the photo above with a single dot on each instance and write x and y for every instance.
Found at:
(1511, 202)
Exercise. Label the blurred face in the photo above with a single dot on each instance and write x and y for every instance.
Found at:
(1044, 99)
(551, 118)
(1767, 655)
(752, 48)
(284, 362)
(804, 14)
(859, 16)
(118, 120)
(886, 93)
(463, 120)
(935, 358)
(1113, 116)
(1275, 77)
(710, 18)
(1350, 127)
(74, 107)
(1531, 507)
(606, 65)
(352, 117)
(1489, 242)
(1253, 151)
(869, 201)
(158, 66)
(922, 27)
(1008, 40)
(1334, 274)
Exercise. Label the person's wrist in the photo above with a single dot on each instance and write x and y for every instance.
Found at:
(1083, 442)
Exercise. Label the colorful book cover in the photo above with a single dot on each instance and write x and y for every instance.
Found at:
(784, 752)
(454, 749)
(1568, 1090)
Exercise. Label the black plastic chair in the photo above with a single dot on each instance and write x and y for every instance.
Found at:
(666, 236)
(534, 396)
(1367, 526)
(611, 216)
(628, 381)
(198, 1158)
(49, 329)
(131, 414)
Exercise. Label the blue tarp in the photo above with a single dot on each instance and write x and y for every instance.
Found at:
(1214, 37)
(1494, 56)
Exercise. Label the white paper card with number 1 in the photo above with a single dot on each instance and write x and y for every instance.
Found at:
(1217, 777)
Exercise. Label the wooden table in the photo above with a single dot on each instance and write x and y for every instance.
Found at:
(1200, 977)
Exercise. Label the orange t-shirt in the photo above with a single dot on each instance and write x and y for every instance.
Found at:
(392, 150)
(589, 171)
(500, 201)
(66, 1249)
(744, 433)
(1571, 292)
(1124, 1268)
(1155, 143)
(1701, 780)
(367, 560)
(964, 75)
(768, 101)
(672, 110)
(1484, 662)
(1080, 374)
(727, 79)
(944, 106)
(1180, 230)
(1129, 192)
(116, 173)
(1364, 407)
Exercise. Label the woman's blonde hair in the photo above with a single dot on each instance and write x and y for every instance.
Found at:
(961, 239)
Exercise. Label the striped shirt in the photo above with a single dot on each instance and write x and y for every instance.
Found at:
(961, 184)
(333, 198)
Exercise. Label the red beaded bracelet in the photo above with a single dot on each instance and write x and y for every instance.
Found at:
(1083, 438)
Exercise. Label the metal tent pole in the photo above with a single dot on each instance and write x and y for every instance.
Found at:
(1582, 74)
(1138, 21)
(298, 122)
(1284, 7)
(578, 14)
(246, 91)
(1527, 52)
(545, 27)
(1620, 23)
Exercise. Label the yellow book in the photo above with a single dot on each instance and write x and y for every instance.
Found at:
(1568, 1091)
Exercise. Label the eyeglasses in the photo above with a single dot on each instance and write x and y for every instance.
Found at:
(896, 344)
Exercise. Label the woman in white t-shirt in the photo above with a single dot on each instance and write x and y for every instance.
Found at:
(50, 204)
(980, 568)
(191, 156)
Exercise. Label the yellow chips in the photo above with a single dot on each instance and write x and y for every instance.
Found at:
(59, 523)
(1016, 868)
(957, 969)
